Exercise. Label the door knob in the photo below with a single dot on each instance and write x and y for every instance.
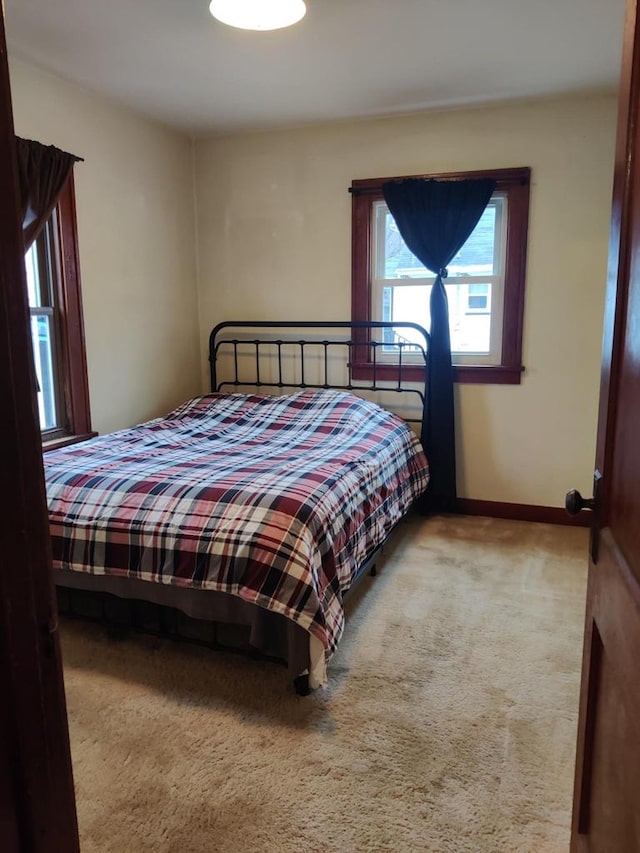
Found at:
(574, 502)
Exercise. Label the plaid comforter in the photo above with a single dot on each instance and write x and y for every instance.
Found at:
(277, 500)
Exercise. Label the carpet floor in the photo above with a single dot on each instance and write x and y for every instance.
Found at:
(449, 722)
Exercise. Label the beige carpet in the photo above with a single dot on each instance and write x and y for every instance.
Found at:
(448, 725)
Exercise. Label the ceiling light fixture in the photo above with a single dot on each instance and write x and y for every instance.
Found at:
(258, 14)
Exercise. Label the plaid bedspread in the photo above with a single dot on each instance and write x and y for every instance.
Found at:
(277, 500)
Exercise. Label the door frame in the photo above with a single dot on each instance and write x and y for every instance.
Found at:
(615, 315)
(37, 805)
(619, 250)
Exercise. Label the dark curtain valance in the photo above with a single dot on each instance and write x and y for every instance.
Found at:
(435, 219)
(43, 171)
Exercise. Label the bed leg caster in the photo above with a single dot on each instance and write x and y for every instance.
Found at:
(373, 571)
(301, 685)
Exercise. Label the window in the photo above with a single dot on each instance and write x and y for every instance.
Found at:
(485, 285)
(44, 328)
(55, 306)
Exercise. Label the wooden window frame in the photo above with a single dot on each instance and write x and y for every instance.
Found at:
(69, 316)
(515, 183)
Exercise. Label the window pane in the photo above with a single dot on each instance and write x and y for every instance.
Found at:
(470, 317)
(476, 257)
(407, 305)
(43, 356)
(479, 297)
(33, 283)
(470, 329)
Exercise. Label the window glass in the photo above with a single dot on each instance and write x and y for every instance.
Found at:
(478, 256)
(402, 285)
(42, 340)
(33, 282)
(43, 329)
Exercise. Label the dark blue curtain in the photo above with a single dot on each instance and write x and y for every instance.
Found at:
(435, 219)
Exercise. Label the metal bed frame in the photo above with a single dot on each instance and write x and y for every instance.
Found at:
(358, 343)
(161, 620)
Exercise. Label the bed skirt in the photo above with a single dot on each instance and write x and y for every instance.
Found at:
(204, 616)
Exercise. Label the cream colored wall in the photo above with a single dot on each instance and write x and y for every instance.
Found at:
(274, 242)
(274, 238)
(136, 233)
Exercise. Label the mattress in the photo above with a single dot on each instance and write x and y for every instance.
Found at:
(273, 500)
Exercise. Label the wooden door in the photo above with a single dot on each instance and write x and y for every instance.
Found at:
(606, 813)
(37, 807)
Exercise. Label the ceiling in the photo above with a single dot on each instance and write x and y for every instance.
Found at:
(170, 60)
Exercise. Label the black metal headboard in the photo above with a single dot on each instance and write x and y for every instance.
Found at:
(361, 353)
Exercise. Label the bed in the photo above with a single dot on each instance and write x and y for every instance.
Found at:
(253, 509)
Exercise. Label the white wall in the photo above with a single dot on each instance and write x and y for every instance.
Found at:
(274, 242)
(136, 234)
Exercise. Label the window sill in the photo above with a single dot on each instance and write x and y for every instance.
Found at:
(497, 374)
(463, 374)
(66, 440)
